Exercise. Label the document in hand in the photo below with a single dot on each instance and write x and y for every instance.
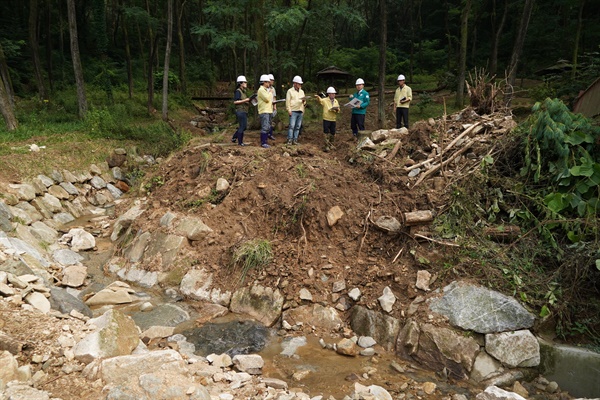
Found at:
(278, 101)
(354, 103)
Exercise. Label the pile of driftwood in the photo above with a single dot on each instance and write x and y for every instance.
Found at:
(463, 141)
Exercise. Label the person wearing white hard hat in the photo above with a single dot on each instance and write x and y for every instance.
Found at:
(402, 99)
(265, 109)
(357, 122)
(241, 101)
(274, 93)
(331, 108)
(294, 103)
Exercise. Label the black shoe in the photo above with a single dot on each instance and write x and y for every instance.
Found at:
(271, 137)
(242, 144)
(233, 139)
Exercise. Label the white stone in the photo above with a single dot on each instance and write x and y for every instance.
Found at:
(222, 185)
(38, 301)
(334, 214)
(354, 294)
(305, 294)
(423, 279)
(387, 299)
(74, 275)
(250, 363)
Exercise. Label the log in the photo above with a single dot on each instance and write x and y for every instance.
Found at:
(418, 217)
(10, 344)
(394, 150)
(438, 166)
(456, 139)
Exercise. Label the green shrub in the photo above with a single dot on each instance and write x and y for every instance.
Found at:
(252, 254)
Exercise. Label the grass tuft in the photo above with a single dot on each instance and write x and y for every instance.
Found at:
(252, 254)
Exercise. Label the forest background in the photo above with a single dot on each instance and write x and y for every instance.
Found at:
(77, 70)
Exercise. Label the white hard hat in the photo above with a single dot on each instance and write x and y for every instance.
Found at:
(271, 77)
(241, 78)
(264, 78)
(331, 89)
(359, 81)
(297, 79)
(401, 78)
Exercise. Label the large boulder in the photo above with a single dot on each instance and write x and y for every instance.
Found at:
(197, 283)
(262, 303)
(480, 309)
(314, 315)
(383, 328)
(116, 335)
(438, 348)
(514, 349)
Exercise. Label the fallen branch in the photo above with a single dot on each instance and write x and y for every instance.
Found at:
(456, 139)
(449, 160)
(395, 150)
(436, 241)
(397, 255)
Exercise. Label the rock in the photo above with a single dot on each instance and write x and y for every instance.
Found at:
(193, 228)
(6, 290)
(79, 239)
(117, 173)
(56, 176)
(143, 278)
(250, 363)
(8, 368)
(97, 182)
(305, 294)
(135, 252)
(482, 310)
(69, 188)
(222, 185)
(68, 177)
(383, 328)
(51, 203)
(122, 186)
(514, 349)
(347, 347)
(74, 275)
(262, 303)
(117, 335)
(167, 219)
(63, 218)
(495, 393)
(23, 191)
(366, 144)
(66, 257)
(552, 387)
(290, 345)
(146, 306)
(157, 332)
(315, 315)
(423, 279)
(380, 135)
(334, 214)
(59, 192)
(196, 284)
(43, 232)
(520, 389)
(437, 348)
(484, 367)
(162, 249)
(275, 383)
(220, 361)
(17, 215)
(429, 388)
(38, 301)
(338, 286)
(114, 191)
(387, 299)
(33, 213)
(22, 391)
(124, 222)
(109, 297)
(388, 224)
(66, 303)
(366, 341)
(354, 294)
(45, 180)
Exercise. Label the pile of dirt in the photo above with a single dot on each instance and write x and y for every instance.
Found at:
(283, 194)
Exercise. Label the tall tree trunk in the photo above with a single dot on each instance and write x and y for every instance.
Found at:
(448, 35)
(49, 63)
(81, 98)
(519, 42)
(165, 86)
(7, 109)
(153, 50)
(382, 122)
(128, 57)
(35, 48)
(182, 77)
(5, 77)
(577, 37)
(496, 39)
(462, 63)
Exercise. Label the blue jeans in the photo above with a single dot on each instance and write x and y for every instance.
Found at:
(295, 123)
(265, 126)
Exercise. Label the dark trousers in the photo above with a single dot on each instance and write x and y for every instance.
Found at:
(242, 118)
(357, 123)
(401, 115)
(329, 127)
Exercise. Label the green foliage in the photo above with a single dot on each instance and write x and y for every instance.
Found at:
(561, 164)
(252, 255)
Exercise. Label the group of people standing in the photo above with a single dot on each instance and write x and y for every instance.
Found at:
(295, 101)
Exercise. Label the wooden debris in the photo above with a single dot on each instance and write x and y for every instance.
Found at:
(418, 217)
(503, 233)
